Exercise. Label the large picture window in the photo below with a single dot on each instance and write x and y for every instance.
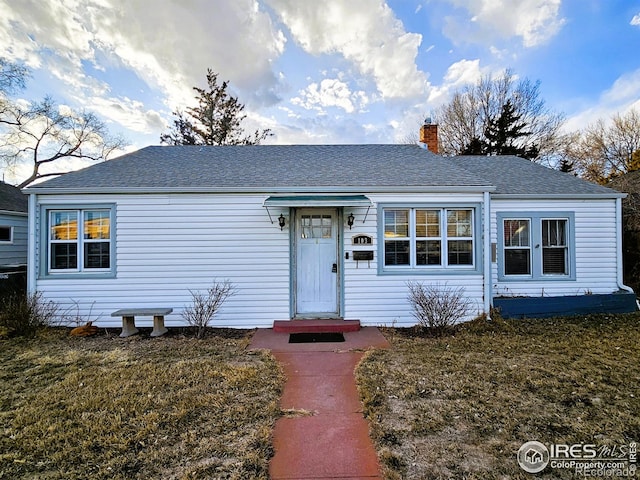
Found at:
(536, 246)
(79, 240)
(429, 238)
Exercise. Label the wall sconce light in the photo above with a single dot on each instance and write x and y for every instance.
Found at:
(350, 220)
(281, 221)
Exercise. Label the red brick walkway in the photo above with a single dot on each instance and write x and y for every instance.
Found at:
(327, 436)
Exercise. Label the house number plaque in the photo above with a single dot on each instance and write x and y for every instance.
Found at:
(361, 240)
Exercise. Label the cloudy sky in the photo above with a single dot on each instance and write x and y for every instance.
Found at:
(329, 71)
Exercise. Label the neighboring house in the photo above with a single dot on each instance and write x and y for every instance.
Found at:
(13, 228)
(322, 231)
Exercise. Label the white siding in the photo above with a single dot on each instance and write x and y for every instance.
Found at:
(595, 248)
(168, 245)
(382, 299)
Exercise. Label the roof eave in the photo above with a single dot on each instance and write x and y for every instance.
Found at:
(14, 212)
(264, 190)
(557, 196)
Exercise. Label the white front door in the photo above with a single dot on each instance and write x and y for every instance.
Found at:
(316, 276)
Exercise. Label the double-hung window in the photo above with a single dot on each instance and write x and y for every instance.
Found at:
(555, 249)
(79, 240)
(428, 238)
(397, 238)
(536, 246)
(517, 246)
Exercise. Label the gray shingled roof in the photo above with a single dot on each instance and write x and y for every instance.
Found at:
(12, 199)
(518, 176)
(273, 167)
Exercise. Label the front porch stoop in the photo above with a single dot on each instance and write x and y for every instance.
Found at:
(316, 325)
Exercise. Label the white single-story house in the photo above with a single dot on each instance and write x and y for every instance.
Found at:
(13, 228)
(322, 231)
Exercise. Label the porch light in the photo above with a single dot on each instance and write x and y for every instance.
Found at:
(281, 221)
(350, 220)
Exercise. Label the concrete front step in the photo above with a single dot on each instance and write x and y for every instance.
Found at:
(316, 326)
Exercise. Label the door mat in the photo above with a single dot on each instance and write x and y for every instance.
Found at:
(315, 337)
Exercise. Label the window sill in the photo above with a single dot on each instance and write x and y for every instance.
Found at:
(79, 275)
(429, 271)
(549, 278)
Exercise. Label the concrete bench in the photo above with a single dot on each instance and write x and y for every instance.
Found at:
(129, 319)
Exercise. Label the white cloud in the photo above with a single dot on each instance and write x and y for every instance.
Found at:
(168, 46)
(24, 25)
(330, 93)
(366, 33)
(459, 74)
(462, 73)
(90, 52)
(173, 46)
(534, 21)
(635, 20)
(623, 96)
(129, 113)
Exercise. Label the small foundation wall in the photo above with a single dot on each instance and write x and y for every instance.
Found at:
(544, 307)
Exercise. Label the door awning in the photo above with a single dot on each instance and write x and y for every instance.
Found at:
(318, 201)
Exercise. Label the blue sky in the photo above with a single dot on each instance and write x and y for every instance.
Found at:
(331, 71)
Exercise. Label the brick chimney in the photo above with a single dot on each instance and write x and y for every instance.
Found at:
(429, 135)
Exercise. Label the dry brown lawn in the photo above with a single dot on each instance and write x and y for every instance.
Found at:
(139, 408)
(175, 407)
(461, 406)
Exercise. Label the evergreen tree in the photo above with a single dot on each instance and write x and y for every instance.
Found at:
(504, 132)
(215, 120)
(475, 147)
(566, 165)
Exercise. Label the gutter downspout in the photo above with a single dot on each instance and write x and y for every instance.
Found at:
(619, 277)
(32, 268)
(488, 295)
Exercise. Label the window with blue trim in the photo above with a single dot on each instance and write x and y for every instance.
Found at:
(517, 246)
(536, 246)
(79, 240)
(423, 238)
(555, 258)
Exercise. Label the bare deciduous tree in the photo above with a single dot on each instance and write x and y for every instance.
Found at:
(46, 132)
(605, 150)
(464, 121)
(42, 133)
(12, 76)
